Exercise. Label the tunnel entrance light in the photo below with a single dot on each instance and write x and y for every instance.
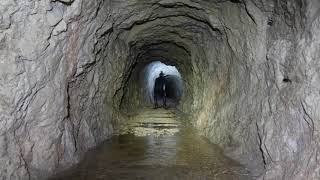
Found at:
(174, 85)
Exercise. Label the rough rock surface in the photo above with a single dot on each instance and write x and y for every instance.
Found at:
(251, 71)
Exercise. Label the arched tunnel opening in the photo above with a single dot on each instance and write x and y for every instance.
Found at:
(150, 58)
(241, 89)
(172, 83)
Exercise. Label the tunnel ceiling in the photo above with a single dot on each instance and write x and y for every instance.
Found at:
(250, 71)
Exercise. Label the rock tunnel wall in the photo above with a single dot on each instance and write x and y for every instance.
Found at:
(251, 72)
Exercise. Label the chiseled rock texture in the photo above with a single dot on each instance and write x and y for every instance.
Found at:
(251, 71)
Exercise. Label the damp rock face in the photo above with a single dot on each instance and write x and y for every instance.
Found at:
(251, 70)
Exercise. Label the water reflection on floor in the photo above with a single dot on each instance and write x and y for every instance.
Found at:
(156, 146)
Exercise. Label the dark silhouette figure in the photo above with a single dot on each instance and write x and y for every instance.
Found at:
(159, 91)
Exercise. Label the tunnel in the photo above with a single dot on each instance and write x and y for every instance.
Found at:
(173, 82)
(242, 81)
(140, 90)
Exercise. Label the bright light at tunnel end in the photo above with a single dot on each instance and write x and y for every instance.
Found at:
(153, 70)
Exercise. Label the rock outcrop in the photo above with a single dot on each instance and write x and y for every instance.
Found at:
(251, 71)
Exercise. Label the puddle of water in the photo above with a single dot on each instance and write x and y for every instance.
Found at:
(151, 151)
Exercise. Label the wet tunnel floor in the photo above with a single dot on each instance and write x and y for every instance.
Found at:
(156, 145)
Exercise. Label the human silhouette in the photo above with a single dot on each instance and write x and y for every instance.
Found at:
(160, 90)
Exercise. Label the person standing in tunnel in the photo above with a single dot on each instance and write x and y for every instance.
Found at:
(160, 90)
